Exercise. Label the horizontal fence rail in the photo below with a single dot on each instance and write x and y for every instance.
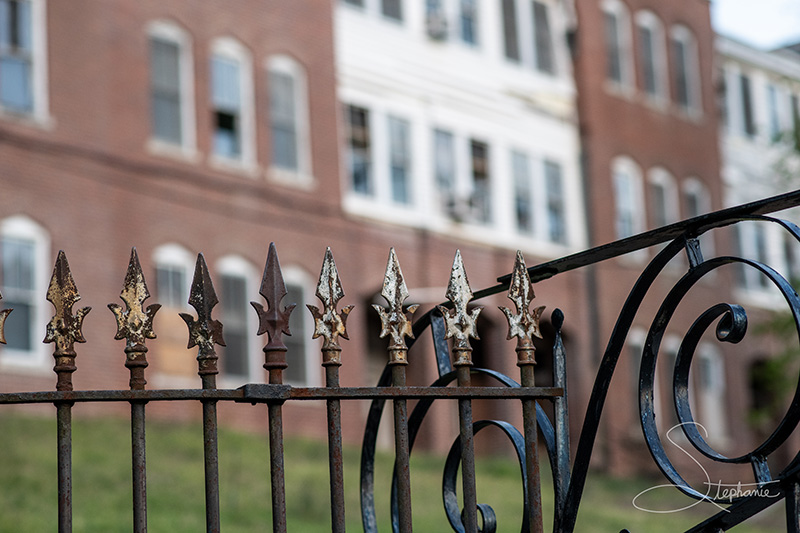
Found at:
(452, 326)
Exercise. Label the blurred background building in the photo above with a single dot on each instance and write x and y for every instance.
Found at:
(546, 126)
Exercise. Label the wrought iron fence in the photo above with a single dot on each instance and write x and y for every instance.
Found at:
(451, 325)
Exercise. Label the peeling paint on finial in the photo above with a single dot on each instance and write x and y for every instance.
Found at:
(461, 325)
(329, 323)
(395, 323)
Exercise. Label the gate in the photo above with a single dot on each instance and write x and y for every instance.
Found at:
(451, 325)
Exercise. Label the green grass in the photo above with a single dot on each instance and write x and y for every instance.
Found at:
(102, 484)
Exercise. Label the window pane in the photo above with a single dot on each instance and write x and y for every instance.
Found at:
(17, 261)
(283, 117)
(469, 21)
(225, 96)
(18, 324)
(445, 163)
(774, 119)
(481, 193)
(234, 313)
(523, 192)
(658, 205)
(165, 90)
(555, 202)
(392, 9)
(399, 160)
(16, 92)
(510, 37)
(626, 209)
(544, 40)
(359, 156)
(647, 58)
(613, 51)
(296, 353)
(18, 286)
(681, 73)
(747, 106)
(170, 282)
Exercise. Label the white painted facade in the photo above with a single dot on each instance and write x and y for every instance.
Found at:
(757, 157)
(397, 70)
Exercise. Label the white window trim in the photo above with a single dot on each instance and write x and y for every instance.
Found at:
(662, 177)
(649, 20)
(169, 31)
(175, 255)
(627, 87)
(229, 48)
(234, 265)
(22, 227)
(40, 116)
(295, 275)
(693, 81)
(303, 177)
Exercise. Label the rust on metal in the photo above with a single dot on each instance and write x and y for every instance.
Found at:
(395, 322)
(330, 323)
(461, 324)
(3, 315)
(134, 323)
(64, 329)
(273, 321)
(204, 332)
(525, 324)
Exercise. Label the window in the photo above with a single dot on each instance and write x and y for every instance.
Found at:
(685, 70)
(174, 265)
(297, 371)
(543, 38)
(22, 57)
(399, 160)
(796, 120)
(231, 99)
(652, 62)
(481, 200)
(772, 109)
(171, 82)
(23, 281)
(663, 205)
(523, 193)
(510, 30)
(711, 392)
(748, 119)
(618, 44)
(359, 154)
(392, 9)
(555, 202)
(628, 197)
(696, 202)
(445, 165)
(237, 316)
(468, 21)
(288, 116)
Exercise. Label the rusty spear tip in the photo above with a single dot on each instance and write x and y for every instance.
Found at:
(329, 323)
(461, 325)
(525, 324)
(395, 322)
(134, 323)
(64, 329)
(205, 331)
(273, 321)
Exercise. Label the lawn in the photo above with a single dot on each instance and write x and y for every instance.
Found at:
(102, 493)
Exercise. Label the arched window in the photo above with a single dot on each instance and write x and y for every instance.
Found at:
(171, 87)
(628, 195)
(174, 267)
(663, 198)
(651, 56)
(232, 103)
(236, 287)
(686, 89)
(24, 265)
(618, 45)
(288, 117)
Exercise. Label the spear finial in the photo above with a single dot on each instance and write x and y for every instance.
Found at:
(461, 325)
(329, 323)
(64, 329)
(395, 323)
(134, 323)
(525, 324)
(204, 332)
(273, 321)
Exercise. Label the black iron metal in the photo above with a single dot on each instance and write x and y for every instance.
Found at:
(204, 333)
(449, 320)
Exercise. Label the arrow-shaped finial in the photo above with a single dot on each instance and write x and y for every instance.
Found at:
(395, 323)
(273, 321)
(64, 329)
(461, 325)
(525, 324)
(134, 323)
(205, 331)
(329, 323)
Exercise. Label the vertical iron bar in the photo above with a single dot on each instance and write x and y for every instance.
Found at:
(401, 451)
(211, 457)
(470, 513)
(336, 461)
(534, 504)
(275, 414)
(561, 415)
(139, 467)
(793, 507)
(64, 423)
